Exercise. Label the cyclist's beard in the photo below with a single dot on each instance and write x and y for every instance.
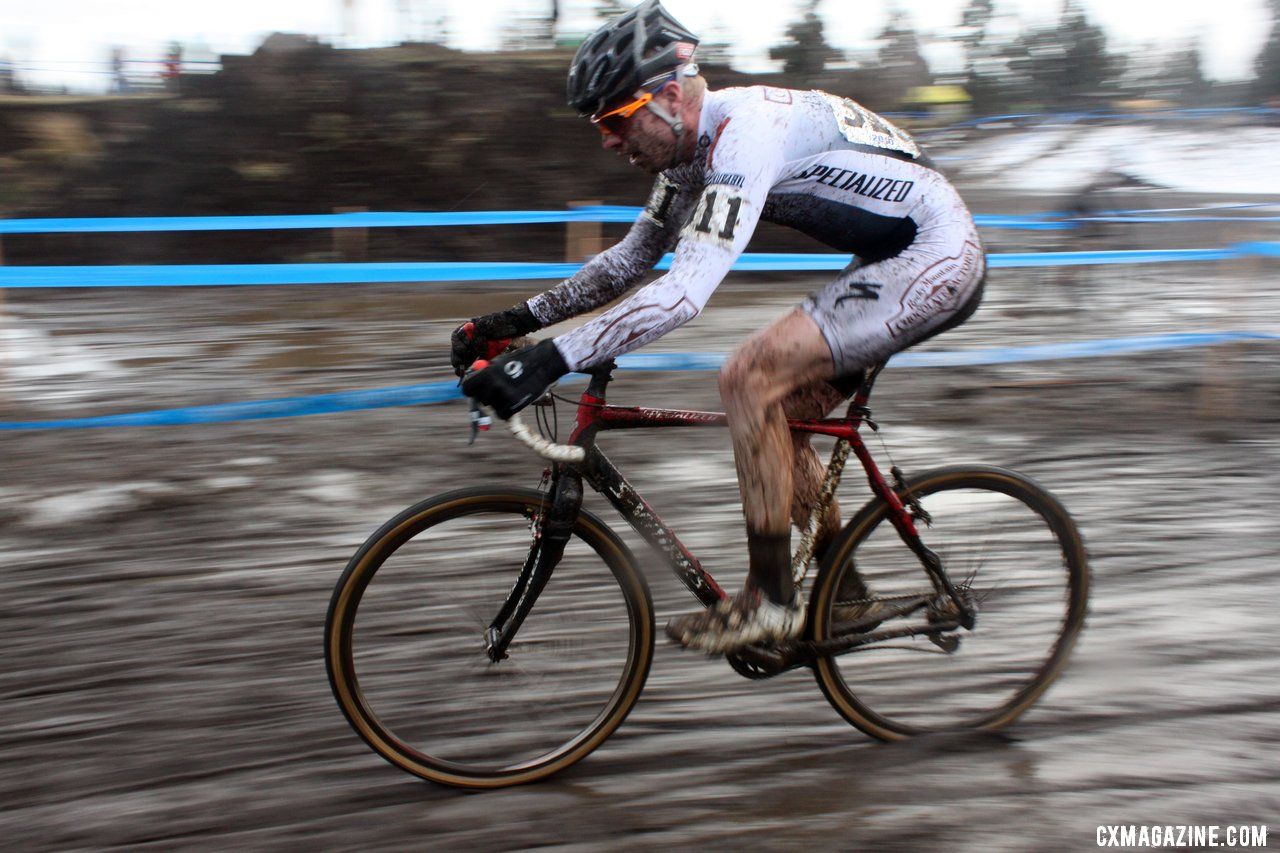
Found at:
(654, 154)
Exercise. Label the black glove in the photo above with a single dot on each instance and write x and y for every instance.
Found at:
(514, 380)
(470, 340)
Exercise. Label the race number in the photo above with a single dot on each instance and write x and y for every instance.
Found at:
(862, 127)
(715, 220)
(660, 200)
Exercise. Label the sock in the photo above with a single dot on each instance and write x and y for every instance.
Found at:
(769, 562)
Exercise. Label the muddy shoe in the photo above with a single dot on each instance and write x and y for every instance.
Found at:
(744, 620)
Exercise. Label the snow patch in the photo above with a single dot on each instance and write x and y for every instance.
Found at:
(31, 354)
(332, 487)
(1066, 159)
(94, 503)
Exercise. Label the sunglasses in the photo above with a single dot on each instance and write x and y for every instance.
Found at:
(615, 121)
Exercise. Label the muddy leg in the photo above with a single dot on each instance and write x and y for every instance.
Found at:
(760, 375)
(813, 401)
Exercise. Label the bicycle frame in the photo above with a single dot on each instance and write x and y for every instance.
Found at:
(594, 416)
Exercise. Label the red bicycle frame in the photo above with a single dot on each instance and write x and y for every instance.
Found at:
(560, 510)
(595, 415)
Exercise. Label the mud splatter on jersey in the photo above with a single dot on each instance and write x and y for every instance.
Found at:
(823, 165)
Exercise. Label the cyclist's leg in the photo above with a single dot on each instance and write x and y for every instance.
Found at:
(863, 317)
(870, 312)
(808, 468)
(766, 370)
(760, 375)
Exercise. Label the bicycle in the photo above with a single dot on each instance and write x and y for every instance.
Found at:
(501, 720)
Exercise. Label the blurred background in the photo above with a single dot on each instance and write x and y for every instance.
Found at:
(164, 587)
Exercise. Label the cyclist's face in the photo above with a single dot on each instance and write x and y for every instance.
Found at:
(645, 140)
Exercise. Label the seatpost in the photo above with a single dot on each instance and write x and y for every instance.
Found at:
(869, 378)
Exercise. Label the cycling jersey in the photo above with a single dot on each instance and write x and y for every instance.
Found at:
(818, 163)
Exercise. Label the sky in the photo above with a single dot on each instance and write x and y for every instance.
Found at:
(67, 41)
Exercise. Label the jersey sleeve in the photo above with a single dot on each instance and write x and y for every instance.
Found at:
(620, 267)
(745, 159)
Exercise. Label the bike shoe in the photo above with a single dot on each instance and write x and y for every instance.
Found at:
(746, 619)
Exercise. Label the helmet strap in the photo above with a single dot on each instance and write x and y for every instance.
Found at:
(675, 122)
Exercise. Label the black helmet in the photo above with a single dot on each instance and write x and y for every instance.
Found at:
(625, 53)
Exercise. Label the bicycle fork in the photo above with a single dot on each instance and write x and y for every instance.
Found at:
(551, 530)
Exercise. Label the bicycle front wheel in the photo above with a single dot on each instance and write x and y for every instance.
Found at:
(1012, 549)
(406, 654)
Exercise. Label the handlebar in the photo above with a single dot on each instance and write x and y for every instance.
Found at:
(543, 447)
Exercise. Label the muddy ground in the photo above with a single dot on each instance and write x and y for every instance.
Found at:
(164, 589)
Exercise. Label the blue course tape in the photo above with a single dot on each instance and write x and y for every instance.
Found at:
(197, 275)
(1046, 222)
(593, 213)
(1074, 117)
(86, 225)
(1124, 218)
(287, 407)
(1125, 256)
(1265, 250)
(439, 392)
(200, 275)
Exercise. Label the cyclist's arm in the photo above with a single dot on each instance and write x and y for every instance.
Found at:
(746, 162)
(619, 268)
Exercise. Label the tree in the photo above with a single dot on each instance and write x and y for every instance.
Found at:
(1068, 64)
(715, 48)
(805, 53)
(988, 80)
(607, 10)
(531, 29)
(974, 20)
(1266, 67)
(899, 60)
(1183, 77)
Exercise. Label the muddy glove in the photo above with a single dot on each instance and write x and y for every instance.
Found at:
(514, 380)
(471, 340)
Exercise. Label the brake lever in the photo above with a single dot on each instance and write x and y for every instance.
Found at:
(480, 422)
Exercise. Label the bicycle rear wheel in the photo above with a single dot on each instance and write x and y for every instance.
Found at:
(1018, 555)
(405, 642)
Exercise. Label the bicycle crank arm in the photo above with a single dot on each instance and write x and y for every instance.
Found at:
(774, 660)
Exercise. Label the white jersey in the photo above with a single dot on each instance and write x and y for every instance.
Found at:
(818, 163)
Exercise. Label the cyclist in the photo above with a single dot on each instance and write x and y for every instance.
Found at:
(724, 160)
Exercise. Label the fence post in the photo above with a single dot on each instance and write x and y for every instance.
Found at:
(351, 244)
(1219, 398)
(582, 239)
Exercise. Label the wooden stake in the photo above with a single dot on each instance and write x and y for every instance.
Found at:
(582, 239)
(351, 244)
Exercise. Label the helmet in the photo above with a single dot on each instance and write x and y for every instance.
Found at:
(625, 53)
